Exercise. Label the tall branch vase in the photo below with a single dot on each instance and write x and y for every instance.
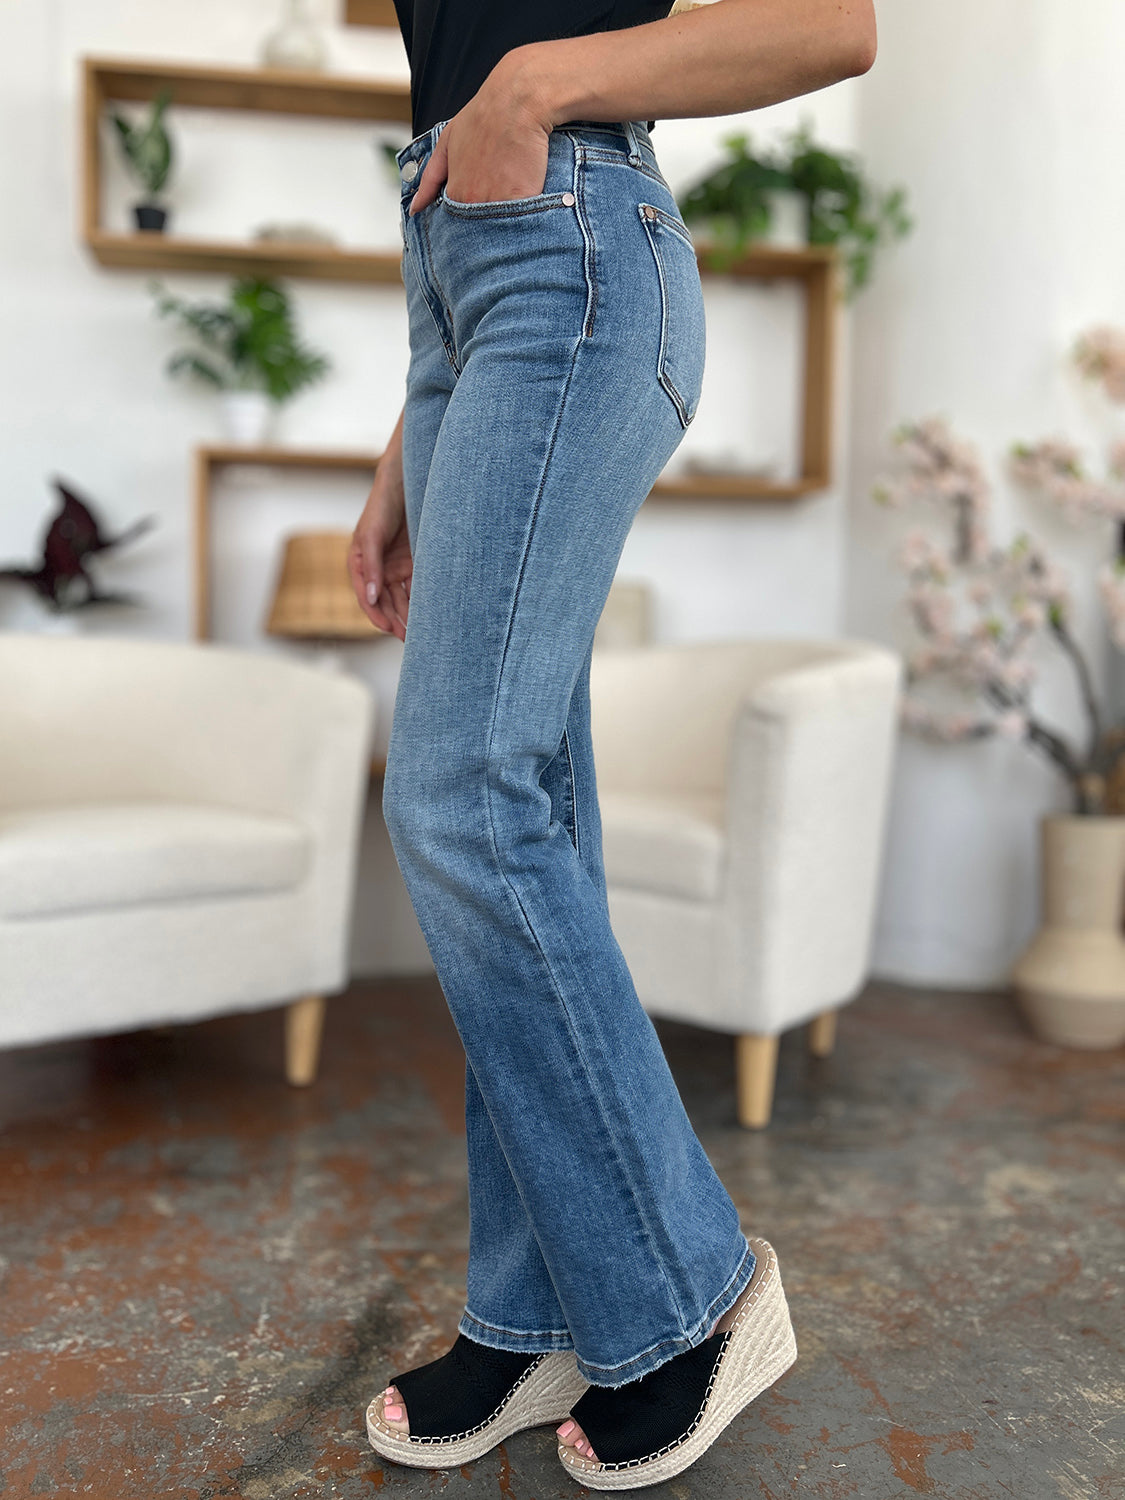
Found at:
(1070, 982)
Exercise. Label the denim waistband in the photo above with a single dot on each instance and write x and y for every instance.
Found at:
(630, 138)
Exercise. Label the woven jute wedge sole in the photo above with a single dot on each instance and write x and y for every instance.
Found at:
(545, 1394)
(757, 1350)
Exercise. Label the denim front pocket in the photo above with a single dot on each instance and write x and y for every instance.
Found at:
(496, 208)
(682, 331)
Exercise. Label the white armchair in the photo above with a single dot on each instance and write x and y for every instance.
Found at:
(178, 836)
(744, 789)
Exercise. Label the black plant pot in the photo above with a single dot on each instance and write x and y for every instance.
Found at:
(150, 217)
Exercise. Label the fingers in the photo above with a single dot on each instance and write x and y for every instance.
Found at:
(436, 171)
(365, 572)
(384, 603)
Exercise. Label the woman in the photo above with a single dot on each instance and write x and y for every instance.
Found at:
(556, 357)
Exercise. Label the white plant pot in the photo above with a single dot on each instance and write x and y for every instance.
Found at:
(247, 418)
(789, 221)
(55, 622)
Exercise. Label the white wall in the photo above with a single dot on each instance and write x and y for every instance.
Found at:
(1005, 120)
(82, 391)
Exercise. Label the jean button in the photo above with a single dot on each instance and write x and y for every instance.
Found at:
(410, 171)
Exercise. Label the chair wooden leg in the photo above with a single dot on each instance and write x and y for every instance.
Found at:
(755, 1068)
(304, 1022)
(822, 1033)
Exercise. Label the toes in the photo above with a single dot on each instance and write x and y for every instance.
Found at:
(394, 1410)
(571, 1436)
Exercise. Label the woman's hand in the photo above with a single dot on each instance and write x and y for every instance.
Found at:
(379, 560)
(495, 147)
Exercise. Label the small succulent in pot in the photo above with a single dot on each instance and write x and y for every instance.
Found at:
(147, 149)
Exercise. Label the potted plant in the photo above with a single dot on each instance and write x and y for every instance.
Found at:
(983, 611)
(248, 350)
(742, 200)
(147, 149)
(736, 202)
(62, 579)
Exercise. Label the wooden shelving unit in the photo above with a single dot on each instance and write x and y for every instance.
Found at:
(328, 96)
(209, 459)
(321, 95)
(816, 267)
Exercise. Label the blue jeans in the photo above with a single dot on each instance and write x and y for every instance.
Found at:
(556, 357)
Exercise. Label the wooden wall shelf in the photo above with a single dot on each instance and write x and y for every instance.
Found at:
(140, 252)
(370, 13)
(322, 95)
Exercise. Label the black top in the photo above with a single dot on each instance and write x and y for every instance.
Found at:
(453, 45)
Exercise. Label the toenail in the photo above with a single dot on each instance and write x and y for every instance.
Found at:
(566, 1429)
(393, 1413)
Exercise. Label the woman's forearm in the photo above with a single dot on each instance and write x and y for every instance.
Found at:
(720, 59)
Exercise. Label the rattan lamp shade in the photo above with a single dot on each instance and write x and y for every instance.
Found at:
(314, 598)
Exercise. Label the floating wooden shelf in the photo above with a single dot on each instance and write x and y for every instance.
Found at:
(323, 95)
(245, 258)
(370, 13)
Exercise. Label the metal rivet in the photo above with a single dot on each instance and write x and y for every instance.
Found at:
(410, 171)
(650, 212)
(568, 199)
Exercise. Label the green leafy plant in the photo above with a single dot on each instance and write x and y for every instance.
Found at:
(734, 202)
(146, 145)
(249, 343)
(844, 208)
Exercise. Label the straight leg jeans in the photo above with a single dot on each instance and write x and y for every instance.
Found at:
(556, 357)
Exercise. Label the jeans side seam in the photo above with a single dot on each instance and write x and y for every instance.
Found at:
(589, 254)
(573, 795)
(578, 1052)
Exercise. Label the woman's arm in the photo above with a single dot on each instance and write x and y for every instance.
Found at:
(719, 59)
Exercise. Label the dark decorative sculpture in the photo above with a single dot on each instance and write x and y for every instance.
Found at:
(73, 536)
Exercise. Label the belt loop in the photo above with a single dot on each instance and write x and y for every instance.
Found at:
(634, 143)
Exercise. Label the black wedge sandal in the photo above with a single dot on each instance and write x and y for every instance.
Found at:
(650, 1430)
(463, 1404)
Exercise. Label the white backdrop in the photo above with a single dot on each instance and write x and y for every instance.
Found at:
(1006, 120)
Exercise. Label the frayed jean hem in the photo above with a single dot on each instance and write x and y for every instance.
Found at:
(649, 1359)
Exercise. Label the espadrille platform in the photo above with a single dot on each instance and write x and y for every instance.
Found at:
(461, 1406)
(754, 1352)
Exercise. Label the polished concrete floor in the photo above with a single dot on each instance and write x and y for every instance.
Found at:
(205, 1275)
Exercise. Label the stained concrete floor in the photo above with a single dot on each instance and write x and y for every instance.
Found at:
(205, 1275)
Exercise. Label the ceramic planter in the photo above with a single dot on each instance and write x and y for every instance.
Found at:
(789, 219)
(150, 217)
(1070, 983)
(247, 417)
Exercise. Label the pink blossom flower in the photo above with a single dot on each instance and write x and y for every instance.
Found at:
(1100, 354)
